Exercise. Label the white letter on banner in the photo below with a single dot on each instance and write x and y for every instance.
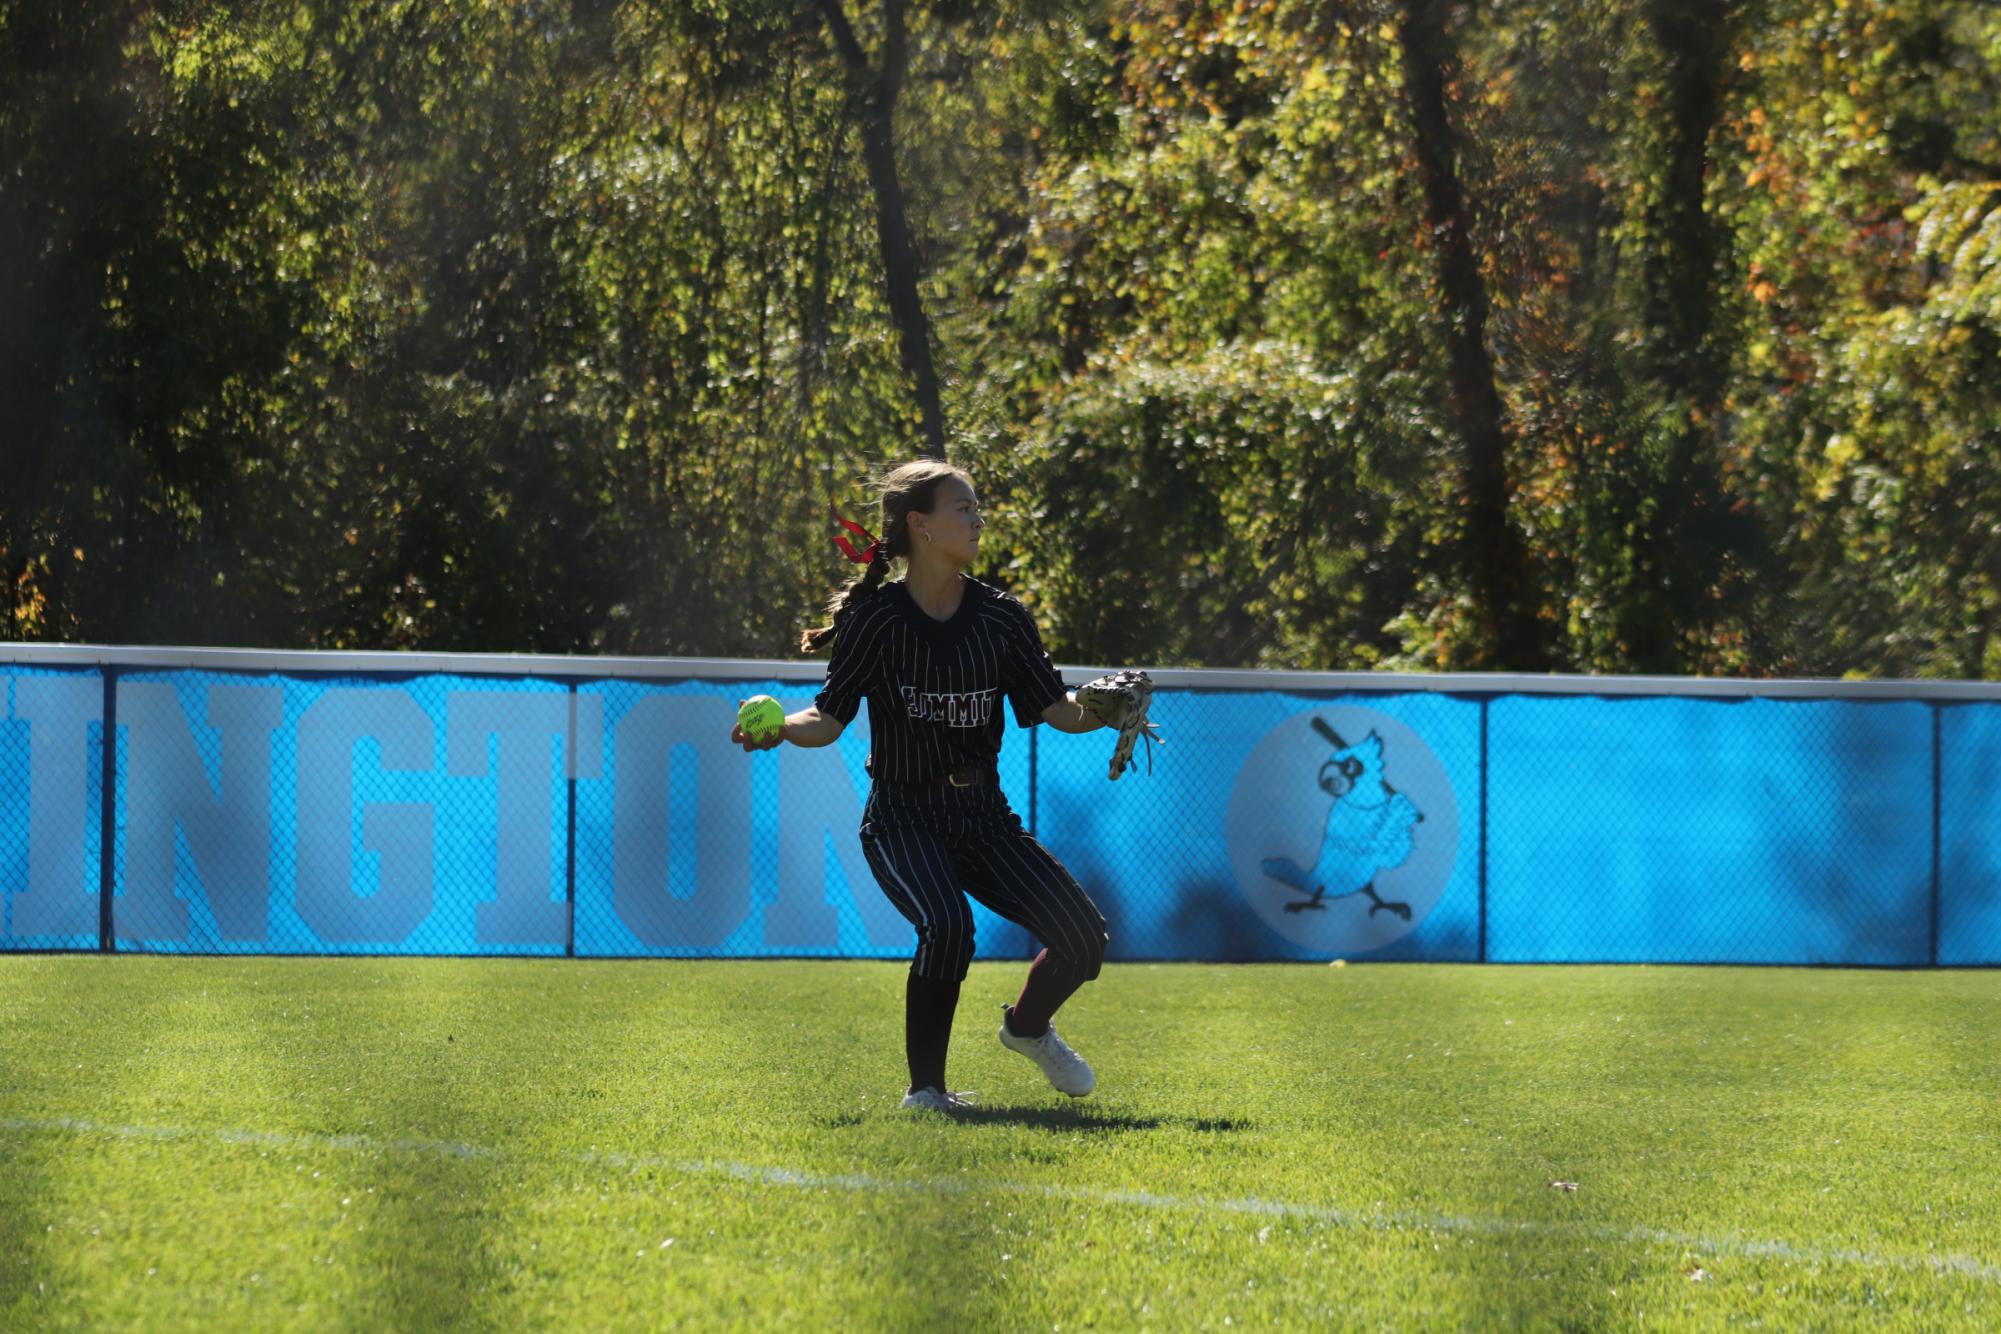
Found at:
(400, 831)
(521, 912)
(817, 797)
(228, 831)
(642, 825)
(61, 897)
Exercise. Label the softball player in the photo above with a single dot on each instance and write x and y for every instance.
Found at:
(936, 653)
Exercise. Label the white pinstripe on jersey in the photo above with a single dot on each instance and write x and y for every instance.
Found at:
(933, 686)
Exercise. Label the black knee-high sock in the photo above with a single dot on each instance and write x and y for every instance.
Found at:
(927, 1028)
(1049, 984)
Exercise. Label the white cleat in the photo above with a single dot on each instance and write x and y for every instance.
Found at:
(931, 1100)
(1068, 1071)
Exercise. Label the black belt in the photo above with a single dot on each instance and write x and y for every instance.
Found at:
(970, 775)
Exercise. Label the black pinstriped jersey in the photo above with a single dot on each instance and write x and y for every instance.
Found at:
(935, 687)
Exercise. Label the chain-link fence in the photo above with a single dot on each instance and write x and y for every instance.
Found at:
(325, 804)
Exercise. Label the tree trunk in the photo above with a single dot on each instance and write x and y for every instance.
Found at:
(1493, 559)
(1680, 271)
(875, 91)
(1686, 543)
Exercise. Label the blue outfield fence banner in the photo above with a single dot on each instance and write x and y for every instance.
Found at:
(298, 803)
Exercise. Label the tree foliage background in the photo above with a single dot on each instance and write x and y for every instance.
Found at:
(1359, 333)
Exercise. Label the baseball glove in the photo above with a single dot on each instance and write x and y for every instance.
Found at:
(1121, 700)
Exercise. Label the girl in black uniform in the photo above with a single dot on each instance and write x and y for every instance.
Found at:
(936, 653)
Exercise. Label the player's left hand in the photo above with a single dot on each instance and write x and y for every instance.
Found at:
(1121, 700)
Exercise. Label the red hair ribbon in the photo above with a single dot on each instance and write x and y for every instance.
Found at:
(864, 557)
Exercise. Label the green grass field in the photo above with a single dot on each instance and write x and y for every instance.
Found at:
(419, 1144)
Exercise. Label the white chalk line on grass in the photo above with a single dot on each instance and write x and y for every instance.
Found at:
(863, 1183)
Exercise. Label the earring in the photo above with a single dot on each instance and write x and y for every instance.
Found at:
(927, 537)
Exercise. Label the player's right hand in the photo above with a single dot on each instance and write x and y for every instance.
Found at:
(737, 736)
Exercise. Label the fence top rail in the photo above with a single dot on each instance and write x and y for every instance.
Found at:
(329, 662)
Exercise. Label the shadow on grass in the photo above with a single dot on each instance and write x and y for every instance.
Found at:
(408, 1041)
(1066, 1119)
(52, 1177)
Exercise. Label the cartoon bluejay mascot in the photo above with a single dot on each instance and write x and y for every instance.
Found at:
(1368, 830)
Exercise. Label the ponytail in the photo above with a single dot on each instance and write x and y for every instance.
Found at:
(812, 641)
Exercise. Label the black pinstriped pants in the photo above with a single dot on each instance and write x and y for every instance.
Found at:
(931, 845)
